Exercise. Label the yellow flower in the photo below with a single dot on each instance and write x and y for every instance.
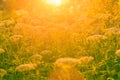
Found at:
(26, 67)
(15, 38)
(2, 72)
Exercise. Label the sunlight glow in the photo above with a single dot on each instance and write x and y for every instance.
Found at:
(54, 2)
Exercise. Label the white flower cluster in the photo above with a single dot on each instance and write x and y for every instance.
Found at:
(86, 59)
(7, 22)
(36, 58)
(15, 38)
(96, 38)
(44, 52)
(73, 61)
(68, 61)
(26, 67)
(112, 31)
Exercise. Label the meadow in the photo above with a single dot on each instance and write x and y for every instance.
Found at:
(72, 43)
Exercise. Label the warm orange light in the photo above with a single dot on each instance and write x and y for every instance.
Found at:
(54, 2)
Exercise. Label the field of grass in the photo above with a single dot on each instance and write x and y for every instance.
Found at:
(59, 46)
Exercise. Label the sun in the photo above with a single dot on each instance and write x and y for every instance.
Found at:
(54, 2)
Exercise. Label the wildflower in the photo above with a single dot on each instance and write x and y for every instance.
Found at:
(86, 59)
(118, 52)
(66, 61)
(36, 58)
(26, 67)
(15, 38)
(8, 22)
(112, 31)
(96, 38)
(2, 72)
(2, 50)
(45, 52)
